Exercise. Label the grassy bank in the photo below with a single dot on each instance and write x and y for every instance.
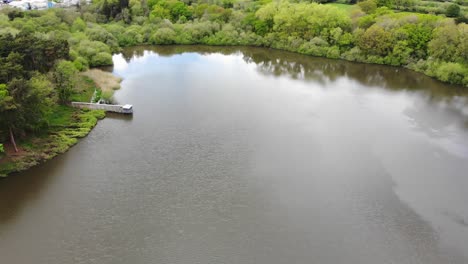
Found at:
(84, 89)
(66, 126)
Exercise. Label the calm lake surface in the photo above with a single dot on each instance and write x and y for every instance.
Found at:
(247, 155)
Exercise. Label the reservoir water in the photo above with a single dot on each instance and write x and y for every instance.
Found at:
(249, 155)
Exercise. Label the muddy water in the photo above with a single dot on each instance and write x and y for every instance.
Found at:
(245, 155)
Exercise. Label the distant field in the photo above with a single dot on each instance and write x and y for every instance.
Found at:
(344, 7)
(420, 6)
(437, 7)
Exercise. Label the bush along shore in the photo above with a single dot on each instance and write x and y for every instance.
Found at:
(58, 139)
(45, 55)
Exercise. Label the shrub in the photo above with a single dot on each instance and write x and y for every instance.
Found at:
(354, 54)
(333, 52)
(368, 6)
(95, 52)
(81, 64)
(97, 33)
(453, 10)
(376, 40)
(78, 25)
(451, 72)
(101, 59)
(163, 36)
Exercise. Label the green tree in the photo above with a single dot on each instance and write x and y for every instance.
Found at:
(453, 10)
(11, 67)
(14, 13)
(78, 25)
(163, 36)
(101, 59)
(90, 50)
(179, 9)
(64, 78)
(402, 4)
(376, 40)
(417, 36)
(160, 12)
(24, 105)
(445, 41)
(98, 33)
(462, 48)
(387, 3)
(7, 108)
(452, 72)
(368, 6)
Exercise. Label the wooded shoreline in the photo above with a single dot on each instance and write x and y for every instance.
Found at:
(66, 126)
(43, 52)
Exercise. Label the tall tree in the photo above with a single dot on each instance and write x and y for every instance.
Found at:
(64, 78)
(24, 105)
(7, 109)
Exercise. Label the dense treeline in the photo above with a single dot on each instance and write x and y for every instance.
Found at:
(40, 50)
(434, 45)
(24, 53)
(431, 44)
(29, 89)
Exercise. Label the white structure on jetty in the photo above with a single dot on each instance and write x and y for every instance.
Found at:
(122, 109)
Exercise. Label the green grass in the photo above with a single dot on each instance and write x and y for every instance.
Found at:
(84, 89)
(61, 116)
(344, 7)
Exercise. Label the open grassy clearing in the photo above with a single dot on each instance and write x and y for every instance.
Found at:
(345, 7)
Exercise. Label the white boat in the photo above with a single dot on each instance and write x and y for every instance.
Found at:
(127, 109)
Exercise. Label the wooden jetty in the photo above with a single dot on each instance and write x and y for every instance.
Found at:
(122, 109)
